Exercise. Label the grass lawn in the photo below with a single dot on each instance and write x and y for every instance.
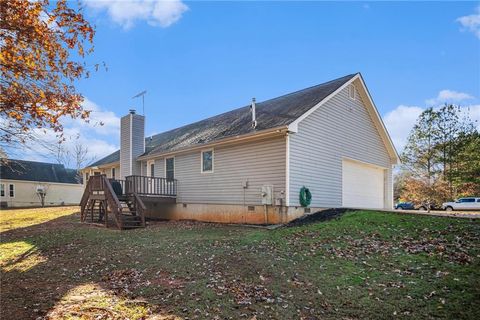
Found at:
(364, 265)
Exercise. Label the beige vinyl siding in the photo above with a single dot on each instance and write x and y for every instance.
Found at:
(104, 170)
(342, 127)
(108, 172)
(160, 168)
(260, 162)
(56, 193)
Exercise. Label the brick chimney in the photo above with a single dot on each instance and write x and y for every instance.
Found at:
(132, 143)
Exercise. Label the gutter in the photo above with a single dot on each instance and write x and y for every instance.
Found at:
(277, 131)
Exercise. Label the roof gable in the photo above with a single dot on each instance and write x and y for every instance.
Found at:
(371, 109)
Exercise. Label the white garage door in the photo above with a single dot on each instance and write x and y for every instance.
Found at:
(362, 185)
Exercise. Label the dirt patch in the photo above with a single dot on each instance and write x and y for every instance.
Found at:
(166, 280)
(243, 293)
(184, 224)
(123, 282)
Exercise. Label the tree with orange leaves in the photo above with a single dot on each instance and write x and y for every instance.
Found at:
(42, 48)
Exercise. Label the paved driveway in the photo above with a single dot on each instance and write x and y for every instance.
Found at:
(441, 213)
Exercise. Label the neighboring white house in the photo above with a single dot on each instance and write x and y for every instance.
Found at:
(24, 183)
(249, 164)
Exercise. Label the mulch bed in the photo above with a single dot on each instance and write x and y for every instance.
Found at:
(319, 216)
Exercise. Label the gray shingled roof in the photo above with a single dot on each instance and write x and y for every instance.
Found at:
(271, 113)
(113, 157)
(37, 171)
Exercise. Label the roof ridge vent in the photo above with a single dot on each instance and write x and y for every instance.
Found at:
(254, 117)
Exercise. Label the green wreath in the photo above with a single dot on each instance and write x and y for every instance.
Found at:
(305, 197)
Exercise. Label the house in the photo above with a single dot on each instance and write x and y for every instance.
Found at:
(33, 184)
(249, 164)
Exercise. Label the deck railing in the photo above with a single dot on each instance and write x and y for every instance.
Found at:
(143, 185)
(100, 185)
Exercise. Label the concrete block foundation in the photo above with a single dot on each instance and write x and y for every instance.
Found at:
(224, 213)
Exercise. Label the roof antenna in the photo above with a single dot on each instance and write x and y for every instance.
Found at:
(254, 118)
(141, 94)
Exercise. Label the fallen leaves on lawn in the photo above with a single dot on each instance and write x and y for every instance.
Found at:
(124, 281)
(432, 243)
(244, 293)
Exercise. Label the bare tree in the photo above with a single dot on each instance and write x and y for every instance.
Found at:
(80, 155)
(60, 153)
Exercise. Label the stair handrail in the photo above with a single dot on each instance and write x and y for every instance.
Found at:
(84, 200)
(112, 201)
(140, 206)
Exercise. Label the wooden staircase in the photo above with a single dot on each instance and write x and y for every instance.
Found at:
(102, 206)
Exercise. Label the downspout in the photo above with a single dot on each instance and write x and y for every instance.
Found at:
(265, 211)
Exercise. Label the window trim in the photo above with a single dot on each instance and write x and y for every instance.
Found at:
(149, 168)
(174, 167)
(2, 189)
(201, 160)
(10, 190)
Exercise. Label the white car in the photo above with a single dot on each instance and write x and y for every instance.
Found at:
(470, 203)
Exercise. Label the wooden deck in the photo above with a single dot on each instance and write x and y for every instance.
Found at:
(122, 202)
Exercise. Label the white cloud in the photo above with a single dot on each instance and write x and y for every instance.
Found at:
(471, 22)
(101, 121)
(399, 122)
(161, 13)
(448, 96)
(100, 140)
(474, 113)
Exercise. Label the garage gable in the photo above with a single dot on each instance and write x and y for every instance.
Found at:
(363, 93)
(341, 128)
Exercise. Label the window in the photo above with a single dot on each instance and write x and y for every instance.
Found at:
(170, 168)
(12, 190)
(152, 170)
(351, 92)
(468, 200)
(207, 161)
(87, 175)
(97, 173)
(2, 190)
(113, 173)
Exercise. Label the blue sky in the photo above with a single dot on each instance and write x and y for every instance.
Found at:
(198, 59)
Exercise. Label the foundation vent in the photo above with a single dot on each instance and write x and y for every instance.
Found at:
(251, 208)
